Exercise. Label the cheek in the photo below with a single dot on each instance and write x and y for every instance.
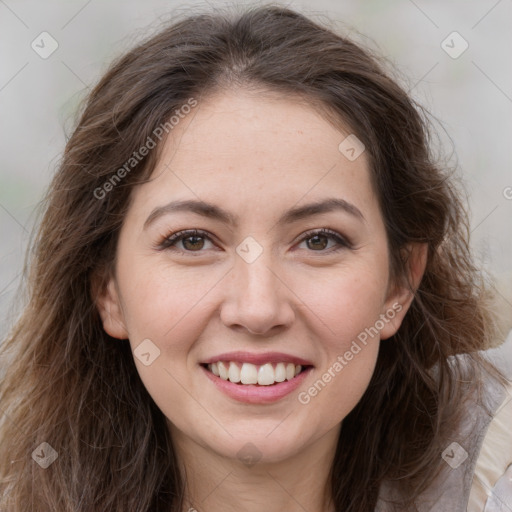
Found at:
(346, 302)
(346, 308)
(169, 308)
(163, 303)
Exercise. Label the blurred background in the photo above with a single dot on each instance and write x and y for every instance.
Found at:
(451, 56)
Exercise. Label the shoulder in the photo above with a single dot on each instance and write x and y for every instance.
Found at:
(491, 489)
(484, 430)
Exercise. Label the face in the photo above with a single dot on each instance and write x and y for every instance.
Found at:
(265, 280)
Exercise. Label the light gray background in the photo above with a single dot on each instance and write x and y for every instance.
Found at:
(471, 95)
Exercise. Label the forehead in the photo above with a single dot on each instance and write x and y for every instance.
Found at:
(256, 144)
(260, 126)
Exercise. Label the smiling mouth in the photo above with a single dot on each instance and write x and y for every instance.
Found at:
(268, 374)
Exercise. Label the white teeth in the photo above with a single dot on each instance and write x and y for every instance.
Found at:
(290, 371)
(234, 373)
(280, 373)
(223, 371)
(249, 374)
(264, 375)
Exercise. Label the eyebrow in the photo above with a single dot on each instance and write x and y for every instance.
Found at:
(217, 213)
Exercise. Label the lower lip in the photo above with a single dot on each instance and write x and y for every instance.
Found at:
(254, 394)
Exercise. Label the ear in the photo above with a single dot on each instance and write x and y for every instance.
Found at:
(105, 296)
(401, 294)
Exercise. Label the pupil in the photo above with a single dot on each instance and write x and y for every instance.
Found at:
(316, 239)
(196, 240)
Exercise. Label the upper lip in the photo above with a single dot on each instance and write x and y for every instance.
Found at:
(258, 358)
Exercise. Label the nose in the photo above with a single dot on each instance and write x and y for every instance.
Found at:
(257, 299)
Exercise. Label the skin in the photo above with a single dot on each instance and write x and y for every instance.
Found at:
(255, 155)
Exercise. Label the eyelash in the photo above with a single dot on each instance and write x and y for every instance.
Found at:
(168, 241)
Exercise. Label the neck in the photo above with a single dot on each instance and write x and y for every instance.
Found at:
(215, 483)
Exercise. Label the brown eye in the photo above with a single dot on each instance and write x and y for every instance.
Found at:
(325, 241)
(193, 243)
(187, 241)
(317, 242)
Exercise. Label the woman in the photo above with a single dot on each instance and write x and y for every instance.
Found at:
(251, 287)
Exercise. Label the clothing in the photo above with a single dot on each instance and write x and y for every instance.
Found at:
(492, 482)
(476, 459)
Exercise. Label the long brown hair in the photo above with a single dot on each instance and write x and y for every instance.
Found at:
(72, 386)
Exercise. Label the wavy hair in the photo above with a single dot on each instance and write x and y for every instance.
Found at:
(69, 384)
